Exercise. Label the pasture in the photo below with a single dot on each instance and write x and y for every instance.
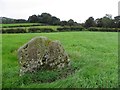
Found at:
(19, 24)
(93, 54)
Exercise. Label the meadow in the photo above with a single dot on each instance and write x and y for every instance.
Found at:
(93, 54)
(20, 24)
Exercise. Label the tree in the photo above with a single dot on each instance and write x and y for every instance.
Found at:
(117, 21)
(20, 21)
(33, 19)
(45, 18)
(90, 22)
(71, 22)
(106, 21)
(99, 22)
(55, 21)
(108, 16)
(7, 20)
(63, 23)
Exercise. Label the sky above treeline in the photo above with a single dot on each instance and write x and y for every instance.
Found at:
(78, 10)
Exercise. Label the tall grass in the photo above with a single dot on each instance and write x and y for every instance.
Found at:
(93, 54)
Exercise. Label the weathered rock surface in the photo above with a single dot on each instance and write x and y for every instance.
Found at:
(42, 53)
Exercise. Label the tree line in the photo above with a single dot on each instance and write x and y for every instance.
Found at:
(104, 22)
(47, 19)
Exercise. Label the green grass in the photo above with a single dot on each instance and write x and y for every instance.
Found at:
(94, 54)
(18, 24)
(52, 27)
(26, 28)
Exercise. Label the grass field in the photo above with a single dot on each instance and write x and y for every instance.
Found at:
(26, 28)
(94, 54)
(18, 24)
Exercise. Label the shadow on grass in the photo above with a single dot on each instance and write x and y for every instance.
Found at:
(46, 76)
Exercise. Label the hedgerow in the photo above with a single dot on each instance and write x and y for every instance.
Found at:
(59, 29)
(104, 29)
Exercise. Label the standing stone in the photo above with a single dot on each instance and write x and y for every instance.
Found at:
(42, 53)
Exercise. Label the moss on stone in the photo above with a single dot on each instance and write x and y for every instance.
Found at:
(42, 53)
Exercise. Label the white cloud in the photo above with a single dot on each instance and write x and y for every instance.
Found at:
(79, 10)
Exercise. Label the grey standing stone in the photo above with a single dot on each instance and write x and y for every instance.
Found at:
(42, 53)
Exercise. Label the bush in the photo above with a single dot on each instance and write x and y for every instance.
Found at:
(70, 28)
(39, 30)
(17, 30)
(76, 28)
(104, 29)
(30, 30)
(61, 29)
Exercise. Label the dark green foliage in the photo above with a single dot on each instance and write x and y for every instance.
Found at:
(45, 18)
(76, 28)
(107, 22)
(39, 30)
(20, 21)
(48, 19)
(17, 30)
(71, 22)
(21, 25)
(99, 22)
(33, 19)
(63, 23)
(63, 29)
(117, 21)
(90, 22)
(104, 29)
(10, 20)
(7, 20)
(57, 29)
(70, 28)
(55, 21)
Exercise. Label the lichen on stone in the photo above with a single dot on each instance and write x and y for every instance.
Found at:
(42, 53)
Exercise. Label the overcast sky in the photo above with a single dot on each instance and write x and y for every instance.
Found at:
(78, 10)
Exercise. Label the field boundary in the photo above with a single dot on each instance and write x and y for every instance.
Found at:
(48, 29)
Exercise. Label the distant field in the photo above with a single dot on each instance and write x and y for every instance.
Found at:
(52, 27)
(94, 54)
(18, 24)
(27, 26)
